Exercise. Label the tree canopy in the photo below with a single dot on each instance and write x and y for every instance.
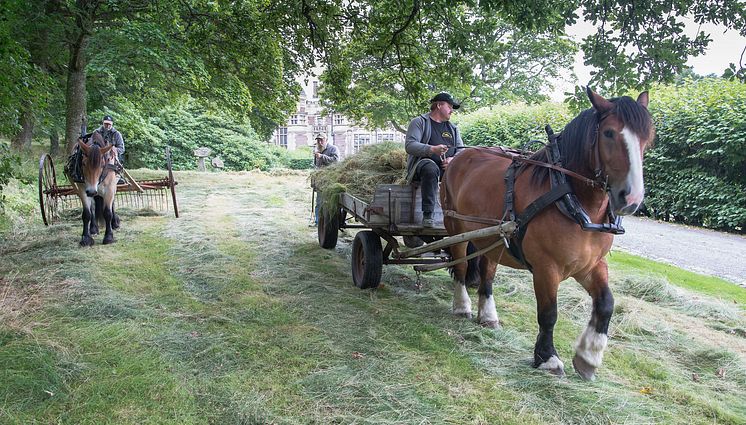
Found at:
(382, 58)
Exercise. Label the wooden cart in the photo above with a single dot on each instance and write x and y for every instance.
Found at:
(394, 211)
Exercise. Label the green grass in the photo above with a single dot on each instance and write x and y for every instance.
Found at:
(708, 285)
(233, 314)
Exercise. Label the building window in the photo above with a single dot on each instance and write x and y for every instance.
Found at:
(315, 89)
(282, 137)
(338, 119)
(359, 140)
(294, 119)
(385, 137)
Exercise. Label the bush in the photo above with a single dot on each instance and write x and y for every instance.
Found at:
(696, 173)
(187, 127)
(512, 125)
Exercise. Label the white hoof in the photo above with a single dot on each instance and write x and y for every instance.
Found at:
(487, 315)
(461, 301)
(554, 366)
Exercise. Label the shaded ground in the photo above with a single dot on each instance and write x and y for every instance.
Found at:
(698, 250)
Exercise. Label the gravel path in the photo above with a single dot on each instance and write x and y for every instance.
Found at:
(699, 250)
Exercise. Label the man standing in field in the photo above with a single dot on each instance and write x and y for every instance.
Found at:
(323, 155)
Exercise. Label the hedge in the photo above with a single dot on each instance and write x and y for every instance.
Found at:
(696, 171)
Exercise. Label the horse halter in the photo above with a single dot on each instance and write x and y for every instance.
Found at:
(599, 176)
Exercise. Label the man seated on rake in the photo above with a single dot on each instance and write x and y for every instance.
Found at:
(431, 142)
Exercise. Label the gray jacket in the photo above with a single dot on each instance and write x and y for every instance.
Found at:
(416, 142)
(328, 155)
(114, 137)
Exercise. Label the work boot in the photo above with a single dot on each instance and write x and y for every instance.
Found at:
(427, 220)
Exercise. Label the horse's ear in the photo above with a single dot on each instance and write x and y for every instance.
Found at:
(85, 148)
(643, 99)
(599, 103)
(106, 150)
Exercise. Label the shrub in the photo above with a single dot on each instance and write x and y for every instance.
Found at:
(512, 125)
(696, 173)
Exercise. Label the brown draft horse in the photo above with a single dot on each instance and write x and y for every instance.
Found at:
(605, 144)
(97, 192)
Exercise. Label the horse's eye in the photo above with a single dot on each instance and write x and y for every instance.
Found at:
(609, 134)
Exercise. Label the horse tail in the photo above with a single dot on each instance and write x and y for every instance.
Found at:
(472, 277)
(472, 268)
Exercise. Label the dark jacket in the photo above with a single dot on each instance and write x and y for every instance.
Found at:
(328, 155)
(416, 142)
(114, 137)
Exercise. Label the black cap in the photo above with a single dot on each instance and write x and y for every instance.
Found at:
(107, 118)
(445, 97)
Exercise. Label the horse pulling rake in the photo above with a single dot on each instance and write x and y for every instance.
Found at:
(151, 193)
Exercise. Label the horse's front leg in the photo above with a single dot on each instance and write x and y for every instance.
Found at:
(108, 216)
(590, 346)
(545, 355)
(487, 315)
(86, 239)
(461, 300)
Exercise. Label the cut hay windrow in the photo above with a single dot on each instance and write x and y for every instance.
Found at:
(359, 174)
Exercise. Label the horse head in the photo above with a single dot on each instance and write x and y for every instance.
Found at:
(95, 159)
(624, 130)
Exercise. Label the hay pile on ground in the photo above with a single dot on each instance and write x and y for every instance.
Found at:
(359, 174)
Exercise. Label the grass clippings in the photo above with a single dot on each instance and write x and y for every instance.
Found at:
(233, 314)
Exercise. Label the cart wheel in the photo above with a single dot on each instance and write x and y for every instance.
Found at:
(171, 182)
(367, 260)
(328, 229)
(47, 190)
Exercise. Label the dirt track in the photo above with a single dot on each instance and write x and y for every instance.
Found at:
(699, 250)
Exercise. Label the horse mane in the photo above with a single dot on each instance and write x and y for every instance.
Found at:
(576, 138)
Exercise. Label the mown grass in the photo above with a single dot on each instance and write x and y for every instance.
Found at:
(233, 314)
(709, 285)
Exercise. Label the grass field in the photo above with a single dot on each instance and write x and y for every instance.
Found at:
(232, 314)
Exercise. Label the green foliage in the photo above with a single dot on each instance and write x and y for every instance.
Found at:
(8, 164)
(392, 59)
(512, 125)
(696, 173)
(185, 127)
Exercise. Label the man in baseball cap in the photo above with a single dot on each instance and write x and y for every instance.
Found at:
(112, 136)
(431, 142)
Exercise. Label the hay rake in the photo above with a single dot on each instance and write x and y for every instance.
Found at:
(55, 199)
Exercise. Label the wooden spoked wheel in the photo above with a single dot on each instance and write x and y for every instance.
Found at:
(48, 201)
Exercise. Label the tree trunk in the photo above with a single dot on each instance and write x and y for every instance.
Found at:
(75, 96)
(22, 140)
(54, 141)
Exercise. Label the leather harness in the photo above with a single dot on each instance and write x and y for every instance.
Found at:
(561, 193)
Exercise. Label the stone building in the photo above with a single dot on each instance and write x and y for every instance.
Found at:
(308, 120)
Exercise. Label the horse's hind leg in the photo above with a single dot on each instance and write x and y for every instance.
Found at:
(88, 217)
(96, 208)
(590, 346)
(487, 315)
(115, 221)
(108, 215)
(461, 300)
(545, 355)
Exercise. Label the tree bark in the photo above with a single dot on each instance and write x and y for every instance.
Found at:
(22, 140)
(54, 141)
(75, 95)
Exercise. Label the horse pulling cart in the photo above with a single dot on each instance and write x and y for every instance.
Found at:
(395, 211)
(146, 193)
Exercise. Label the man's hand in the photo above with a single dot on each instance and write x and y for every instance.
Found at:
(445, 162)
(317, 155)
(439, 149)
